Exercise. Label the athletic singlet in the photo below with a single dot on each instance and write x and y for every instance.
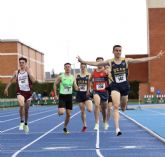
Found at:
(23, 81)
(100, 81)
(119, 72)
(82, 82)
(66, 84)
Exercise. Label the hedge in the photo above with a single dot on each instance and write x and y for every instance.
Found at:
(46, 88)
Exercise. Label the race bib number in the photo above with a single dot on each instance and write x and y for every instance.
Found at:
(23, 81)
(23, 84)
(100, 86)
(120, 78)
(83, 88)
(67, 90)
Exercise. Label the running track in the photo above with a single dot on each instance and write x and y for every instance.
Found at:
(47, 140)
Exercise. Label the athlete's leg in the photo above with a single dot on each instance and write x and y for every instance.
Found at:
(104, 110)
(109, 111)
(97, 100)
(67, 118)
(21, 102)
(116, 102)
(104, 114)
(27, 104)
(61, 111)
(26, 127)
(62, 104)
(83, 114)
(89, 105)
(124, 102)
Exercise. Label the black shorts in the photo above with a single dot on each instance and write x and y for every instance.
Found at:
(122, 88)
(103, 95)
(82, 96)
(65, 101)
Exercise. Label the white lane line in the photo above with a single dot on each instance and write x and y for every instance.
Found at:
(59, 148)
(40, 137)
(29, 122)
(158, 112)
(98, 143)
(145, 128)
(30, 115)
(33, 111)
(8, 115)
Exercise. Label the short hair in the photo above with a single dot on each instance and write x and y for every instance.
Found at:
(116, 46)
(83, 64)
(99, 58)
(67, 64)
(23, 58)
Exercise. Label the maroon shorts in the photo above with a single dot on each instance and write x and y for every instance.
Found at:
(26, 94)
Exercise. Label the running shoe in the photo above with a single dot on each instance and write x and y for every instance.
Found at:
(118, 132)
(66, 131)
(26, 129)
(106, 126)
(84, 129)
(96, 127)
(21, 126)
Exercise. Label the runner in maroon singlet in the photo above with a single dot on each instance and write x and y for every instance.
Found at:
(24, 79)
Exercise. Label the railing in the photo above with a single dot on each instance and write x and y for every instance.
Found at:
(154, 99)
(8, 103)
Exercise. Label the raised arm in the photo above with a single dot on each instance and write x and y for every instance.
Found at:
(146, 59)
(93, 63)
(29, 71)
(89, 84)
(75, 85)
(10, 82)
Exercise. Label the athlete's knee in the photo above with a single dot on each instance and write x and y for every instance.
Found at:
(61, 111)
(116, 107)
(82, 108)
(82, 112)
(68, 114)
(26, 107)
(89, 109)
(21, 103)
(97, 105)
(123, 106)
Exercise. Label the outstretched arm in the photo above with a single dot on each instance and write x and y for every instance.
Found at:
(146, 59)
(93, 63)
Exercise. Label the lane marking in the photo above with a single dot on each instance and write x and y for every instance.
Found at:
(11, 114)
(29, 122)
(58, 148)
(40, 137)
(31, 114)
(131, 147)
(98, 142)
(8, 115)
(145, 128)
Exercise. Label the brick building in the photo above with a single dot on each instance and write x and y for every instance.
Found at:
(156, 34)
(152, 74)
(10, 51)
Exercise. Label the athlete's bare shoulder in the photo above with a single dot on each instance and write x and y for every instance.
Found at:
(15, 73)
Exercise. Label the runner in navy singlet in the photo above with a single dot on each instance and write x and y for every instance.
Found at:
(83, 95)
(119, 71)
